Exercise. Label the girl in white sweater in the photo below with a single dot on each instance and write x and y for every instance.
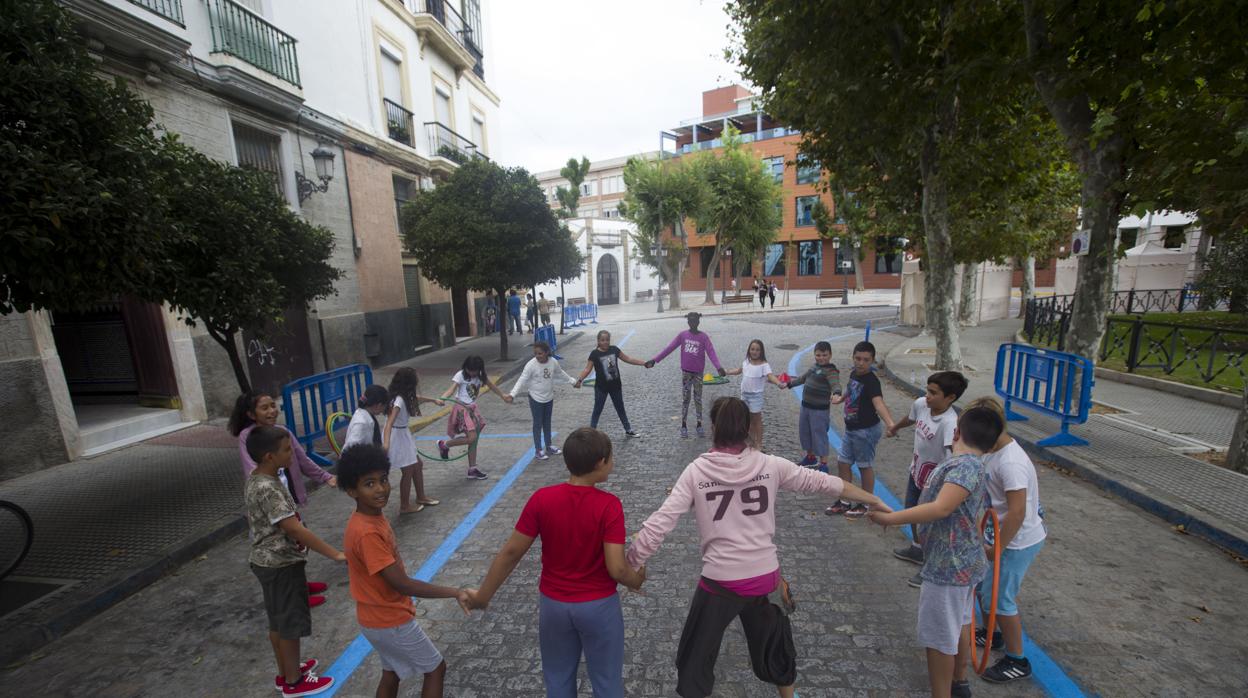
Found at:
(539, 377)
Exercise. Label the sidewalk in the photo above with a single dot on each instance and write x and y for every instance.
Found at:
(692, 301)
(107, 527)
(1137, 445)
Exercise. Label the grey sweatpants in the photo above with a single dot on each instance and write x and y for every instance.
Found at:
(812, 431)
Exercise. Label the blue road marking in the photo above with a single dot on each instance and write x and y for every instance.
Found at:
(1044, 670)
(482, 436)
(358, 650)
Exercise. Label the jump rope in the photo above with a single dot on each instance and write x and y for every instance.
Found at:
(333, 439)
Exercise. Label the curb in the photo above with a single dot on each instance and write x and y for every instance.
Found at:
(667, 314)
(21, 641)
(1197, 524)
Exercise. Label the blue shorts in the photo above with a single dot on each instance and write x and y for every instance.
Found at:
(858, 445)
(1014, 564)
(754, 401)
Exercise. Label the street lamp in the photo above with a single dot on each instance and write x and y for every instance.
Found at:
(840, 267)
(658, 251)
(723, 283)
(850, 263)
(323, 159)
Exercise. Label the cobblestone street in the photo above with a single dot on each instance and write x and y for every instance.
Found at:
(1120, 603)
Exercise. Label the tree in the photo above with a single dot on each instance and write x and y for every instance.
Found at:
(82, 200)
(241, 258)
(569, 201)
(852, 228)
(662, 194)
(488, 228)
(741, 208)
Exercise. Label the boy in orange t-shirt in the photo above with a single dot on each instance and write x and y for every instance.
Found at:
(379, 582)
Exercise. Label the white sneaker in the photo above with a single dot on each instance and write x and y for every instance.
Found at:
(541, 455)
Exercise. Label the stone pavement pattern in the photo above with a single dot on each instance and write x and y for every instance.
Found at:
(1115, 616)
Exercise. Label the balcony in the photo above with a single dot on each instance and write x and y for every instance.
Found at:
(399, 123)
(239, 32)
(445, 143)
(169, 9)
(457, 36)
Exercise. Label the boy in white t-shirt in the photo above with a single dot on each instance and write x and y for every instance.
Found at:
(934, 425)
(1014, 492)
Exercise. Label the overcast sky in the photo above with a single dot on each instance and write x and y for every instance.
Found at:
(600, 78)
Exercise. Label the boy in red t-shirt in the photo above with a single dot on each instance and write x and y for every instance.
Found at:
(582, 531)
(379, 582)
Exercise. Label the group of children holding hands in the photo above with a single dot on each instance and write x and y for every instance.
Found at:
(960, 465)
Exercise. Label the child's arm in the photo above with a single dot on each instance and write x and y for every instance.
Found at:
(450, 391)
(522, 382)
(737, 372)
(489, 383)
(882, 410)
(947, 500)
(898, 426)
(798, 479)
(617, 567)
(710, 351)
(310, 470)
(589, 367)
(400, 582)
(661, 522)
(1016, 511)
(434, 400)
(564, 373)
(630, 360)
(794, 382)
(296, 531)
(385, 433)
(666, 350)
(771, 378)
(504, 564)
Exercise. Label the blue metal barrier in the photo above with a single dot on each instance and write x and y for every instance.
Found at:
(546, 333)
(1051, 382)
(572, 316)
(589, 312)
(309, 401)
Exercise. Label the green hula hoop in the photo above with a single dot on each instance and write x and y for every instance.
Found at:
(471, 446)
(329, 431)
(717, 380)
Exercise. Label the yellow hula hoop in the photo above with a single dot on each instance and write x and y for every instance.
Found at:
(329, 431)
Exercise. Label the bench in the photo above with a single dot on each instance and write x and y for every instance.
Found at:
(644, 295)
(833, 293)
(576, 301)
(740, 298)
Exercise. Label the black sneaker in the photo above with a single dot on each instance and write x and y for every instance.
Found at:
(1008, 669)
(632, 434)
(916, 581)
(981, 637)
(960, 689)
(909, 553)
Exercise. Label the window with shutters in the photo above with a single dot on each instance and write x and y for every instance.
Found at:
(260, 150)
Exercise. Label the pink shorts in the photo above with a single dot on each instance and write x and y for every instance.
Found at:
(464, 419)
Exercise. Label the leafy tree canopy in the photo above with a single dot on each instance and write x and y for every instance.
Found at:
(659, 196)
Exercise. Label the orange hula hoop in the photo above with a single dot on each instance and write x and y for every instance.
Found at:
(980, 664)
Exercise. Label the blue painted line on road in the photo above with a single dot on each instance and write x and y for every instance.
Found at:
(358, 650)
(482, 436)
(1044, 670)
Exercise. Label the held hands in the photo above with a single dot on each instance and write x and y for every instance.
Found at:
(468, 600)
(439, 402)
(332, 481)
(577, 384)
(722, 372)
(338, 556)
(891, 432)
(508, 399)
(650, 363)
(837, 399)
(641, 579)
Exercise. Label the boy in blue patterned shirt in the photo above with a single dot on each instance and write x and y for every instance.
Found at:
(948, 517)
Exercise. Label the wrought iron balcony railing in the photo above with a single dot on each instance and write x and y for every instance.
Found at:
(241, 33)
(444, 142)
(399, 123)
(466, 30)
(169, 9)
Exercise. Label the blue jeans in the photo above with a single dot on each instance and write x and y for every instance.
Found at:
(812, 431)
(595, 627)
(541, 412)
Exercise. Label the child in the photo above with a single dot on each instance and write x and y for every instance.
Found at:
(934, 424)
(259, 409)
(948, 512)
(582, 532)
(823, 389)
(279, 552)
(364, 428)
(864, 409)
(399, 444)
(604, 362)
(466, 423)
(379, 582)
(539, 377)
(732, 490)
(694, 346)
(1015, 495)
(755, 373)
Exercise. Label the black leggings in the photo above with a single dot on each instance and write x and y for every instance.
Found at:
(616, 391)
(769, 638)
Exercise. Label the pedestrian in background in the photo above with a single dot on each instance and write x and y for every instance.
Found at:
(513, 313)
(543, 308)
(771, 293)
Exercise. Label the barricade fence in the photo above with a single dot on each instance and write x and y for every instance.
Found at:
(577, 315)
(1054, 383)
(307, 403)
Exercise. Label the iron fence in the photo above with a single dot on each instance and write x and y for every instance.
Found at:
(1213, 355)
(465, 28)
(169, 9)
(446, 143)
(245, 35)
(399, 123)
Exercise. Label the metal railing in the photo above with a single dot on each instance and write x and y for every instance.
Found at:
(399, 123)
(466, 33)
(243, 34)
(444, 142)
(1212, 355)
(169, 9)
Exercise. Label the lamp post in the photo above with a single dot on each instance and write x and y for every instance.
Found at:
(658, 251)
(323, 159)
(723, 282)
(857, 259)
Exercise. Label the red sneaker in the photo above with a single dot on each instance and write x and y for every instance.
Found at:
(309, 685)
(279, 682)
(317, 587)
(314, 601)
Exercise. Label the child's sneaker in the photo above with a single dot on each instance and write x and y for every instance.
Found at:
(317, 587)
(916, 581)
(474, 474)
(315, 600)
(541, 455)
(279, 682)
(554, 451)
(309, 685)
(701, 431)
(840, 507)
(684, 432)
(823, 468)
(444, 449)
(909, 553)
(981, 638)
(807, 461)
(857, 511)
(1008, 669)
(631, 434)
(960, 689)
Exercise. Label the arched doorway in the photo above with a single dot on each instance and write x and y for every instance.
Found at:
(608, 280)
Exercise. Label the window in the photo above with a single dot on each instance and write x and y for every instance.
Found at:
(808, 172)
(776, 167)
(845, 259)
(1127, 238)
(805, 211)
(391, 75)
(259, 150)
(611, 212)
(478, 132)
(588, 188)
(810, 258)
(888, 255)
(773, 260)
(1176, 235)
(404, 191)
(442, 106)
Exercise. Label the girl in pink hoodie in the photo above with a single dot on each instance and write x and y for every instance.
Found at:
(732, 491)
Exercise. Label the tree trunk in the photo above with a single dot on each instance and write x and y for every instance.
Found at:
(970, 291)
(673, 289)
(858, 285)
(506, 313)
(1029, 284)
(226, 340)
(1237, 454)
(941, 320)
(710, 277)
